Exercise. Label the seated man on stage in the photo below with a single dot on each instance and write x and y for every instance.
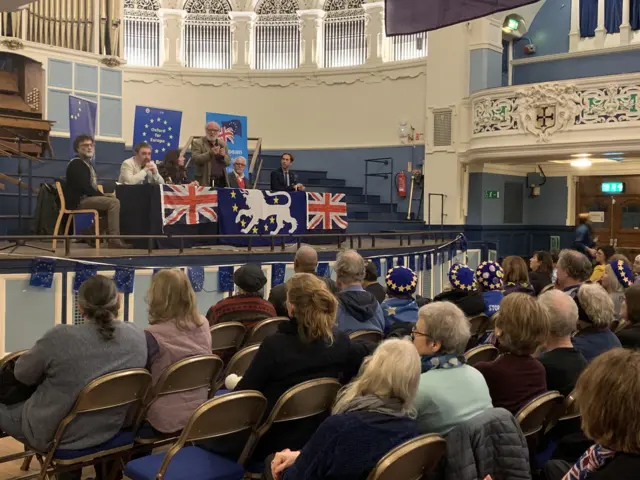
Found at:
(283, 179)
(211, 156)
(237, 178)
(81, 188)
(139, 168)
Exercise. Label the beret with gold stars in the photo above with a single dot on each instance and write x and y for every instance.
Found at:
(490, 275)
(401, 281)
(623, 272)
(462, 278)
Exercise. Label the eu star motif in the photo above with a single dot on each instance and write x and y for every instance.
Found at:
(235, 208)
(391, 310)
(233, 194)
(255, 230)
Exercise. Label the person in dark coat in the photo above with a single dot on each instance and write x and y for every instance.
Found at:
(541, 264)
(607, 396)
(172, 169)
(516, 276)
(305, 261)
(371, 283)
(283, 179)
(629, 336)
(583, 241)
(463, 291)
(371, 416)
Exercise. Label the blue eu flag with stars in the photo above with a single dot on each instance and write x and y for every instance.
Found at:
(159, 128)
(253, 212)
(82, 119)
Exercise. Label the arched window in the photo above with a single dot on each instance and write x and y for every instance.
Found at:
(345, 41)
(207, 34)
(142, 32)
(277, 35)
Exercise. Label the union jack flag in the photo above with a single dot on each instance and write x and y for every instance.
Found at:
(188, 205)
(326, 211)
(226, 134)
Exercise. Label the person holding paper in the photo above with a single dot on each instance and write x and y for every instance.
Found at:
(139, 168)
(211, 157)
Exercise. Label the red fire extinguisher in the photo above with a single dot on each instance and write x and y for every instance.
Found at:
(401, 183)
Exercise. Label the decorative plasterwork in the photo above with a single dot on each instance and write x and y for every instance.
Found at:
(142, 4)
(12, 44)
(181, 77)
(207, 6)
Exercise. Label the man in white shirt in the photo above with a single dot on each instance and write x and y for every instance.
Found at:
(140, 168)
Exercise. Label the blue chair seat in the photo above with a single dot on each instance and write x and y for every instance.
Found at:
(122, 439)
(222, 391)
(190, 463)
(255, 467)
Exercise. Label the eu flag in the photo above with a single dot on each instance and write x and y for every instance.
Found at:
(159, 128)
(253, 212)
(82, 119)
(404, 17)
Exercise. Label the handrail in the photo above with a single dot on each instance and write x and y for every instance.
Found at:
(12, 180)
(6, 148)
(256, 154)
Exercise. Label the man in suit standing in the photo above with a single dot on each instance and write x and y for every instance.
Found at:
(237, 178)
(283, 179)
(211, 156)
(81, 189)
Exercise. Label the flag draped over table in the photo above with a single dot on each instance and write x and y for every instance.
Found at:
(412, 16)
(261, 212)
(326, 211)
(160, 128)
(188, 205)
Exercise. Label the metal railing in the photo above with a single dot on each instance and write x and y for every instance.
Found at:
(384, 161)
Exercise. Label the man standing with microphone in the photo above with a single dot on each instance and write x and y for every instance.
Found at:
(211, 157)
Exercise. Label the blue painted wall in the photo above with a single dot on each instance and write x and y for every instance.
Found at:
(485, 69)
(549, 30)
(547, 209)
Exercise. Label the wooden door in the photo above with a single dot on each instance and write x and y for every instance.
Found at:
(626, 221)
(600, 206)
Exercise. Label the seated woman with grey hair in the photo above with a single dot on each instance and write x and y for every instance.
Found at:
(450, 392)
(595, 315)
(371, 416)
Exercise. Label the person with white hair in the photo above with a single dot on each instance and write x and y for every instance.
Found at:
(372, 415)
(562, 362)
(210, 154)
(357, 308)
(237, 178)
(595, 315)
(573, 269)
(450, 392)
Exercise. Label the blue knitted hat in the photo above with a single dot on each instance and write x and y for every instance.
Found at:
(623, 272)
(401, 281)
(490, 275)
(462, 278)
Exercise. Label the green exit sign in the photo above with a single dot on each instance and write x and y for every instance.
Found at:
(612, 187)
(491, 194)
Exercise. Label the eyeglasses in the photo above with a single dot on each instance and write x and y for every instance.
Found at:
(415, 332)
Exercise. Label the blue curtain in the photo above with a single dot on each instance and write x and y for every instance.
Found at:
(588, 18)
(634, 17)
(612, 15)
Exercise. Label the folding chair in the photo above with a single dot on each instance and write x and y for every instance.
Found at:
(70, 213)
(226, 338)
(411, 460)
(371, 336)
(482, 353)
(238, 364)
(535, 415)
(192, 373)
(234, 414)
(263, 329)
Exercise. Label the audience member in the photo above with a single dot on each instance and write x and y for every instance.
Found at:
(603, 255)
(371, 283)
(63, 362)
(463, 292)
(617, 277)
(573, 269)
(555, 256)
(489, 278)
(371, 416)
(248, 305)
(629, 336)
(561, 361)
(306, 347)
(140, 168)
(450, 391)
(81, 188)
(607, 396)
(583, 241)
(595, 314)
(516, 276)
(176, 331)
(636, 268)
(542, 270)
(515, 377)
(305, 261)
(357, 308)
(210, 155)
(400, 307)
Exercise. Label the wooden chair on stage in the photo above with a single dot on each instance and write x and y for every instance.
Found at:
(70, 213)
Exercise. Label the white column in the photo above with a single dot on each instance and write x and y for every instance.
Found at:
(242, 31)
(171, 28)
(96, 28)
(600, 30)
(574, 33)
(374, 28)
(312, 35)
(625, 26)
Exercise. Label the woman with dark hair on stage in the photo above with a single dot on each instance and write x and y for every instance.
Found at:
(173, 169)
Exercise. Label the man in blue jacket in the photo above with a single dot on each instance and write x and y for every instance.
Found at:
(400, 306)
(357, 308)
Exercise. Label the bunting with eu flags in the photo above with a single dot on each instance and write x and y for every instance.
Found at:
(404, 17)
(160, 128)
(261, 212)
